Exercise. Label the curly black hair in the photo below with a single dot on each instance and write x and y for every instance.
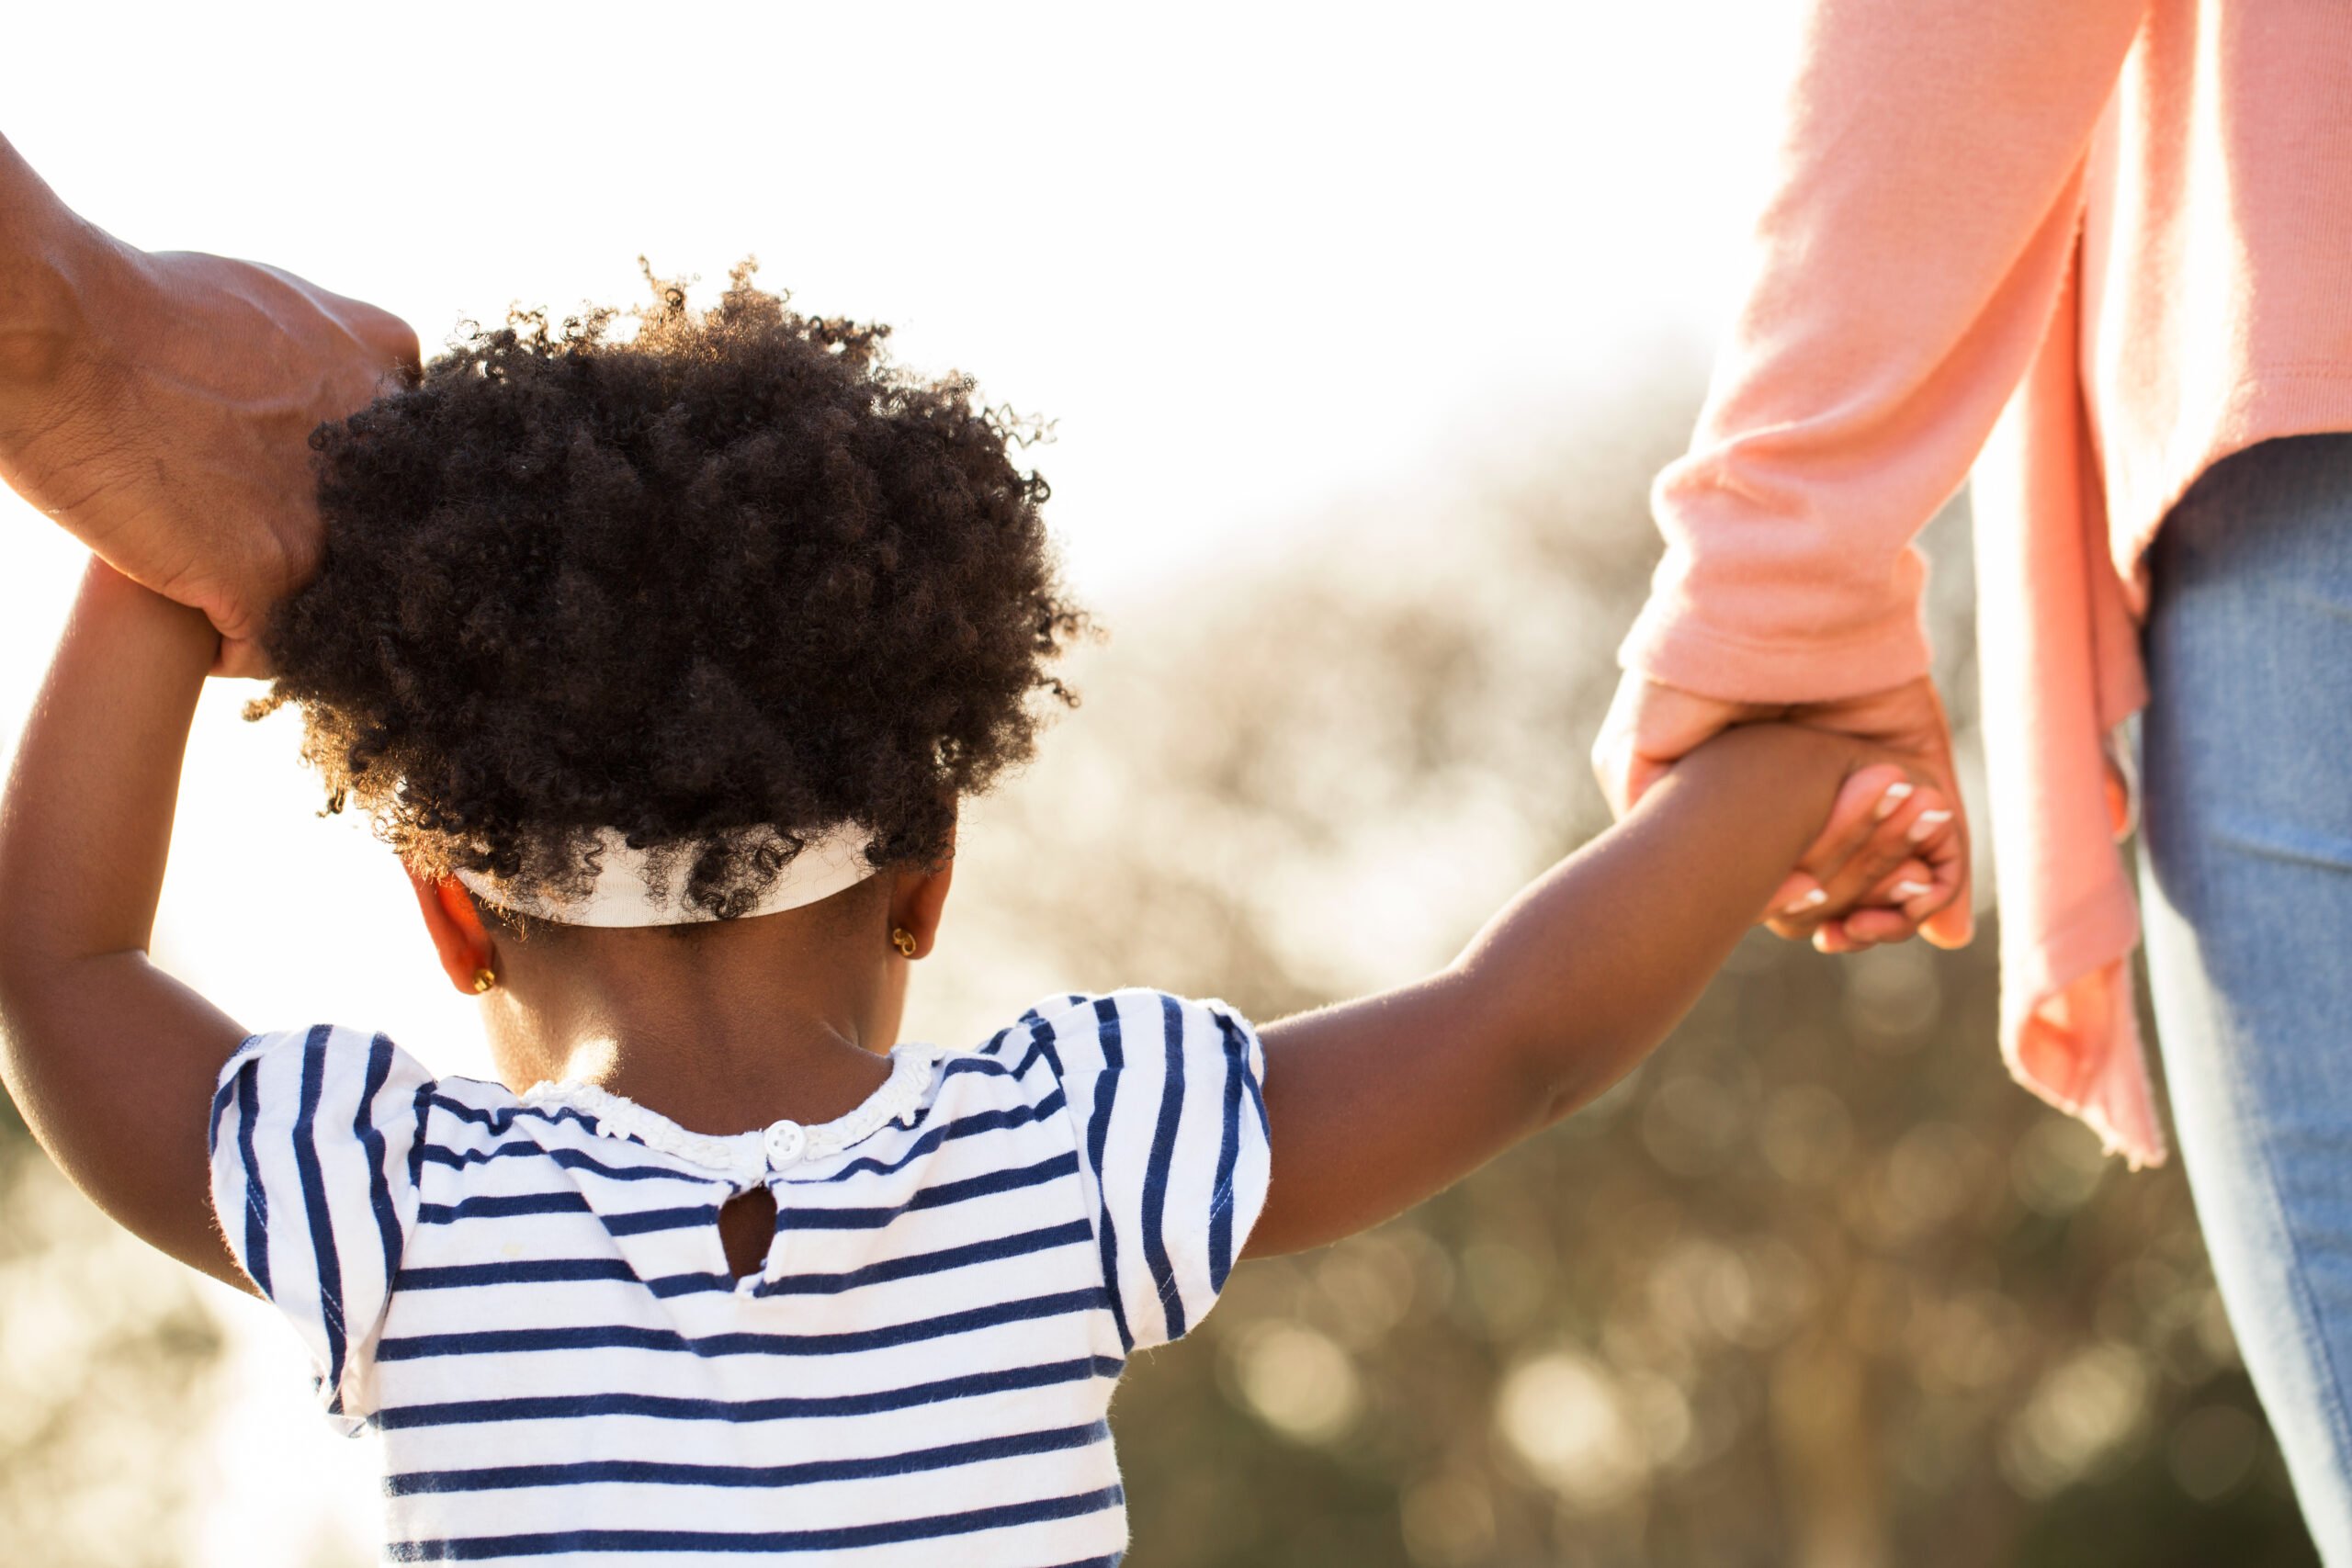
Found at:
(736, 570)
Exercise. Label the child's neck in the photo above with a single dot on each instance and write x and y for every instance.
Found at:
(723, 1028)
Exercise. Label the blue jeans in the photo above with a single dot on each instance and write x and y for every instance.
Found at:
(2246, 890)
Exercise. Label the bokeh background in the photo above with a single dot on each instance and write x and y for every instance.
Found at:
(1364, 330)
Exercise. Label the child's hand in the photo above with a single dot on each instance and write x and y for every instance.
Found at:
(1888, 854)
(1650, 725)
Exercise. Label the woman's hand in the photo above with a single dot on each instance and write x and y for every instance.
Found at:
(172, 435)
(160, 406)
(1866, 878)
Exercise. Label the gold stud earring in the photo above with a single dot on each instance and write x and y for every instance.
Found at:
(904, 939)
(483, 980)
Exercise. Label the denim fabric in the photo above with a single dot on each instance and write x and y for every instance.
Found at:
(2246, 888)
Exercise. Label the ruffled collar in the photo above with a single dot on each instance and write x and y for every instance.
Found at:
(748, 1158)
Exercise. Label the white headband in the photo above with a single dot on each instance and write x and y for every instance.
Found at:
(633, 887)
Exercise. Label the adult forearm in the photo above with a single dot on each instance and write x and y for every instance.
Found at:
(1920, 216)
(42, 244)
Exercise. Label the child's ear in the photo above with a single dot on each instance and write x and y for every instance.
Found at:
(459, 935)
(919, 901)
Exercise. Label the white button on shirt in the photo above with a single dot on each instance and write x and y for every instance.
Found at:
(786, 1142)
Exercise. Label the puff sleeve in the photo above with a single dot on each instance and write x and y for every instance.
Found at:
(313, 1137)
(1166, 1097)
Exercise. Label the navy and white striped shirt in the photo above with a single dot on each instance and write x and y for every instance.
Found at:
(527, 1294)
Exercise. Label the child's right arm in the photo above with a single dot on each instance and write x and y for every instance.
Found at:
(111, 1061)
(1376, 1104)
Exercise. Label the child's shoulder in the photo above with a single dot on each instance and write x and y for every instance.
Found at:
(324, 1047)
(303, 1071)
(1143, 1052)
(1114, 1023)
(1068, 1043)
(325, 1083)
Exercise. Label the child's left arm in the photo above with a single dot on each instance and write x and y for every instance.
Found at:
(1378, 1103)
(111, 1061)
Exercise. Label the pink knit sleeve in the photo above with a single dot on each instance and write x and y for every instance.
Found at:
(1905, 263)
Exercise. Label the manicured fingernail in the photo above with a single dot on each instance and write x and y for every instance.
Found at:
(1909, 890)
(1813, 900)
(1896, 793)
(1927, 822)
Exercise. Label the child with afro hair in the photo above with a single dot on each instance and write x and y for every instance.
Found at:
(662, 659)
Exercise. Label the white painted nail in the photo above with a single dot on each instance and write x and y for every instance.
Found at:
(1896, 793)
(1927, 822)
(1910, 890)
(1813, 900)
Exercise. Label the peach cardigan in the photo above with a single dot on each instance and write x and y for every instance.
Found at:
(2102, 242)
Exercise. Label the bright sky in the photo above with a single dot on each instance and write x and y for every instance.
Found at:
(1255, 260)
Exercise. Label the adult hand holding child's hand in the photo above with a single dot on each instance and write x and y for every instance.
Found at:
(1866, 878)
(160, 406)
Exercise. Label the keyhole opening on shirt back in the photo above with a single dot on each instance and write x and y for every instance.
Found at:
(746, 1224)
